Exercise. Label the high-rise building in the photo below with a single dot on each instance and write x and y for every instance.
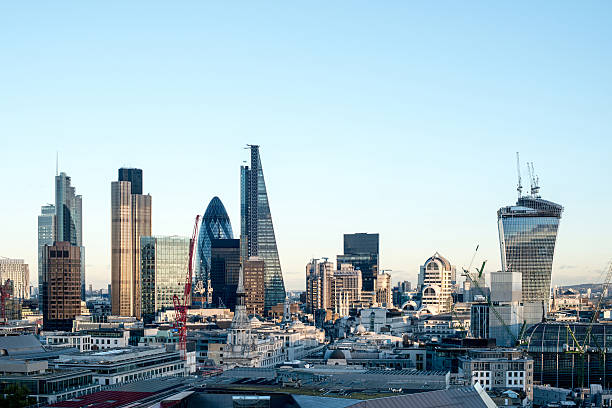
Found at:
(257, 232)
(254, 271)
(46, 236)
(224, 270)
(61, 288)
(362, 251)
(319, 278)
(384, 294)
(130, 220)
(346, 289)
(164, 263)
(436, 280)
(69, 219)
(527, 237)
(215, 225)
(19, 273)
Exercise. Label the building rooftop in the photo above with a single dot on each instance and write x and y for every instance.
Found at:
(21, 344)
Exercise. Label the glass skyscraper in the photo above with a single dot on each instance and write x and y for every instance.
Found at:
(527, 237)
(257, 232)
(164, 262)
(215, 225)
(69, 219)
(361, 250)
(46, 236)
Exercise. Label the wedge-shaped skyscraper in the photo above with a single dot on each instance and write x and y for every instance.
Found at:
(256, 229)
(527, 237)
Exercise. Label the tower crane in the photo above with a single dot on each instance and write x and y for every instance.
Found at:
(181, 305)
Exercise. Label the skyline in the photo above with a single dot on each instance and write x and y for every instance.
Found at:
(398, 130)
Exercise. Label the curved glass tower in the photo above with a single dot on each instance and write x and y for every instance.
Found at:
(527, 237)
(215, 225)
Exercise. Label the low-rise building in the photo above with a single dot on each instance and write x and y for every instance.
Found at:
(498, 369)
(126, 364)
(45, 386)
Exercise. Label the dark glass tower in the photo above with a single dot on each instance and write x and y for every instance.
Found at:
(361, 251)
(215, 225)
(257, 232)
(224, 270)
(527, 237)
(134, 176)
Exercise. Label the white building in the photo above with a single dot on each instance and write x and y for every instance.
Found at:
(506, 293)
(88, 340)
(126, 364)
(436, 280)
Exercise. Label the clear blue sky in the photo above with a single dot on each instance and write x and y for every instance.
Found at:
(401, 118)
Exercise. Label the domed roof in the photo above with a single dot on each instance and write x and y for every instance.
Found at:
(360, 329)
(337, 355)
(442, 260)
(215, 210)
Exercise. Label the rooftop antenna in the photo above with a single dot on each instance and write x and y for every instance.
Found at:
(519, 187)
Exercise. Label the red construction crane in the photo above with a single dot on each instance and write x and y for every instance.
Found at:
(180, 305)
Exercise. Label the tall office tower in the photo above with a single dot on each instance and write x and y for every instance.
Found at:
(164, 262)
(346, 289)
(46, 236)
(254, 271)
(257, 232)
(215, 225)
(436, 284)
(19, 273)
(130, 220)
(361, 250)
(69, 219)
(61, 293)
(224, 270)
(527, 237)
(319, 276)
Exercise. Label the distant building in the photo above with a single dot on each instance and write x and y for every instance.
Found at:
(346, 289)
(527, 237)
(254, 271)
(319, 278)
(215, 225)
(505, 325)
(164, 263)
(436, 280)
(384, 295)
(130, 220)
(479, 320)
(19, 274)
(256, 229)
(362, 251)
(69, 219)
(224, 270)
(46, 236)
(61, 295)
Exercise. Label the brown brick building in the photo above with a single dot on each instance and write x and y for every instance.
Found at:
(61, 285)
(254, 288)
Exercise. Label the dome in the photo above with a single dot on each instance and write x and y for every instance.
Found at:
(337, 355)
(437, 259)
(215, 225)
(255, 322)
(360, 329)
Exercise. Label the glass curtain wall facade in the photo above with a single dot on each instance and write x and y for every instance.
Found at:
(130, 220)
(527, 237)
(215, 225)
(361, 250)
(164, 263)
(46, 236)
(224, 271)
(69, 219)
(257, 235)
